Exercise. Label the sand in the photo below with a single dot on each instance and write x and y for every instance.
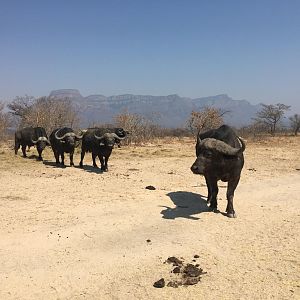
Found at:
(71, 233)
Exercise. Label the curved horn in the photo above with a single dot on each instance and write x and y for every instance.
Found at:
(34, 142)
(41, 138)
(243, 144)
(78, 137)
(66, 134)
(222, 147)
(117, 137)
(99, 137)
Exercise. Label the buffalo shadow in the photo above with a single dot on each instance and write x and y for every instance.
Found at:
(90, 169)
(32, 156)
(53, 164)
(187, 204)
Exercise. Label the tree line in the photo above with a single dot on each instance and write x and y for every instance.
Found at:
(51, 113)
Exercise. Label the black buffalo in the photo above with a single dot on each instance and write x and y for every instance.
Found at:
(100, 142)
(64, 140)
(220, 157)
(31, 136)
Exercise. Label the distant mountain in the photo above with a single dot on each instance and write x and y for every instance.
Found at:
(168, 111)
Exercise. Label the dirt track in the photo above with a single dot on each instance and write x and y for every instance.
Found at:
(79, 234)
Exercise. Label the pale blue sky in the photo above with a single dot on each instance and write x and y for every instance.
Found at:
(246, 49)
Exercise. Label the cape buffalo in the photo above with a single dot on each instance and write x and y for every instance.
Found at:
(100, 143)
(63, 140)
(220, 157)
(31, 136)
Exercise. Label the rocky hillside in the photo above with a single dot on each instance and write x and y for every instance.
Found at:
(168, 111)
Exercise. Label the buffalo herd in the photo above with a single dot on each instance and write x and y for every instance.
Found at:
(219, 153)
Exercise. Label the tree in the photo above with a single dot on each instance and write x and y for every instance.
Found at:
(271, 115)
(46, 112)
(140, 128)
(295, 123)
(207, 118)
(4, 122)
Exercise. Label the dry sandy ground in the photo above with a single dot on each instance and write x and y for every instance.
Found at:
(78, 234)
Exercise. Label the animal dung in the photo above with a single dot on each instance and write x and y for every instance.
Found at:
(174, 260)
(185, 274)
(159, 283)
(150, 187)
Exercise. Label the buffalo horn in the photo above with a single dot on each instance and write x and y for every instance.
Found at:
(99, 137)
(117, 137)
(222, 147)
(41, 138)
(78, 137)
(65, 135)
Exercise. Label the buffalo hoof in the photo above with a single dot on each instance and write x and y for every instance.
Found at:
(81, 165)
(231, 215)
(40, 159)
(212, 207)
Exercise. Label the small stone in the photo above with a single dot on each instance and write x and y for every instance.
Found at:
(150, 187)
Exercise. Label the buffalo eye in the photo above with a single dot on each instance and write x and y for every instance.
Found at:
(207, 154)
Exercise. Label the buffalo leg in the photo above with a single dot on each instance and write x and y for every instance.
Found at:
(102, 162)
(214, 193)
(105, 163)
(232, 184)
(24, 150)
(17, 146)
(71, 159)
(94, 160)
(56, 155)
(81, 159)
(62, 159)
(40, 154)
(209, 190)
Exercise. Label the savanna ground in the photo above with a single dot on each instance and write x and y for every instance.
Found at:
(71, 233)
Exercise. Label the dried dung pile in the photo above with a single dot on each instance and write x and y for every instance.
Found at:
(184, 273)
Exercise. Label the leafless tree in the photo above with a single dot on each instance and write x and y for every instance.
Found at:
(295, 123)
(141, 128)
(271, 115)
(207, 118)
(46, 112)
(4, 122)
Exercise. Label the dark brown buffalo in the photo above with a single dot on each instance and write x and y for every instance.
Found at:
(64, 140)
(31, 136)
(220, 157)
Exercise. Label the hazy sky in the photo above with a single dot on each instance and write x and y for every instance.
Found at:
(246, 49)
